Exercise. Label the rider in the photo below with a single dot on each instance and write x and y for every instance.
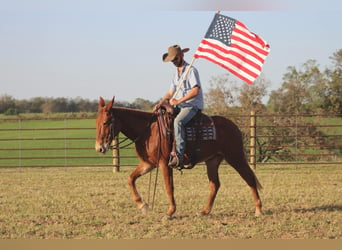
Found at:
(189, 99)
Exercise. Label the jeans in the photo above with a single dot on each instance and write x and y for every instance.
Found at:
(183, 117)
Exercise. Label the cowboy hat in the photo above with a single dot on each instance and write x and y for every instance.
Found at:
(172, 52)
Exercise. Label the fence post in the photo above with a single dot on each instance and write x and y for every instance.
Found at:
(116, 155)
(252, 160)
(20, 142)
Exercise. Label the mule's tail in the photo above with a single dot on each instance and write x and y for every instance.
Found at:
(246, 172)
(258, 184)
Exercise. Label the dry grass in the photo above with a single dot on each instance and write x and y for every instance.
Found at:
(90, 203)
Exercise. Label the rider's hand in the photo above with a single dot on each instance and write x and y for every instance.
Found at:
(155, 108)
(174, 102)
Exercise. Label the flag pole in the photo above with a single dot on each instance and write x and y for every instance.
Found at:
(186, 72)
(183, 77)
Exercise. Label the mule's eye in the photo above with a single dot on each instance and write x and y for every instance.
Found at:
(106, 123)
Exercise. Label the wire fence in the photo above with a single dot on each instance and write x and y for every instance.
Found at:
(268, 139)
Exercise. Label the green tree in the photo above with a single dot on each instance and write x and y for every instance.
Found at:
(219, 98)
(308, 89)
(333, 101)
(226, 97)
(250, 97)
(302, 90)
(143, 104)
(6, 102)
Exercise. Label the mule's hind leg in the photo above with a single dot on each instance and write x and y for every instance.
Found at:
(242, 167)
(142, 168)
(214, 181)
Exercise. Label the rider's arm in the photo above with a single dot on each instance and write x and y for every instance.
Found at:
(166, 97)
(191, 94)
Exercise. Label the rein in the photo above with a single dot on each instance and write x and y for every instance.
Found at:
(111, 134)
(157, 169)
(117, 146)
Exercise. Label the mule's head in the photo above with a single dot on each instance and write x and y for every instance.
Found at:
(105, 126)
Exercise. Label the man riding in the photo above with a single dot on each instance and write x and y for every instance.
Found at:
(187, 102)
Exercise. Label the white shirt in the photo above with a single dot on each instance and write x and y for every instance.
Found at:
(191, 81)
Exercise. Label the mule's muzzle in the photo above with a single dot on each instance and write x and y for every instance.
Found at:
(101, 148)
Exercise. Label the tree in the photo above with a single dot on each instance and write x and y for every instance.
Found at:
(6, 102)
(219, 98)
(143, 104)
(337, 59)
(226, 97)
(308, 89)
(303, 90)
(250, 96)
(333, 102)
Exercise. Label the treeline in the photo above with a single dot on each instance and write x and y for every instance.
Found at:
(47, 105)
(304, 89)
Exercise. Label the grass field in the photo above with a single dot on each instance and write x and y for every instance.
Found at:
(93, 203)
(55, 142)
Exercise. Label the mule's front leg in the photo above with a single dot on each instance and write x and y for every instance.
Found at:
(168, 181)
(141, 169)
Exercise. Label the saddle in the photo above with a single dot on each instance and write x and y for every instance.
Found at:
(200, 128)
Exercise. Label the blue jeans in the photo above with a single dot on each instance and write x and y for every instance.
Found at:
(183, 117)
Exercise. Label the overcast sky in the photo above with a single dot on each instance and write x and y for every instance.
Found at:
(105, 48)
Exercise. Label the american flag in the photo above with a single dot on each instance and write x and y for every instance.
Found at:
(231, 45)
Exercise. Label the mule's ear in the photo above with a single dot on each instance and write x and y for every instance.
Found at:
(110, 104)
(101, 102)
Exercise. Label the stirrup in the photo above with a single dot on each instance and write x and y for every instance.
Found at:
(174, 162)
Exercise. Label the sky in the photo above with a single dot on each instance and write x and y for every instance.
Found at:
(88, 49)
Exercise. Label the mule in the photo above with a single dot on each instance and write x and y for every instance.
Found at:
(153, 151)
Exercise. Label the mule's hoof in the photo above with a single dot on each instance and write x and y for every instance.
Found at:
(258, 213)
(202, 213)
(167, 217)
(144, 208)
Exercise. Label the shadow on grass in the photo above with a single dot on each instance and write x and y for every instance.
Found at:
(325, 208)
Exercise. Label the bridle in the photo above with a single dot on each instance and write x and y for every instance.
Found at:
(111, 135)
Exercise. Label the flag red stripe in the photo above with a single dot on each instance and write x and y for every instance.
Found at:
(228, 61)
(242, 29)
(236, 39)
(251, 35)
(227, 68)
(256, 56)
(227, 53)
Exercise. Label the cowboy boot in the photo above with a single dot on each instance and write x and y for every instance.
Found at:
(176, 162)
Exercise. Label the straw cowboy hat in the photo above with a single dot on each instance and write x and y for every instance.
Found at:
(172, 52)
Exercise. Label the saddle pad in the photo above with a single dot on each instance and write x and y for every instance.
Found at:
(201, 130)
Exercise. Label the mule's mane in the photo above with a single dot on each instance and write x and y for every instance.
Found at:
(132, 112)
(134, 122)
